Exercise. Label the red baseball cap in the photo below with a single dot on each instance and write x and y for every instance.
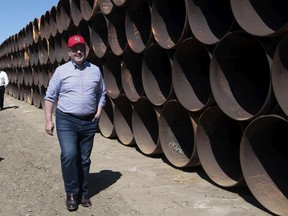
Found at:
(76, 39)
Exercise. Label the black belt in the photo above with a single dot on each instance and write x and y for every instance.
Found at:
(83, 118)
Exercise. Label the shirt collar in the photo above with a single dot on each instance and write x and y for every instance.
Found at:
(80, 67)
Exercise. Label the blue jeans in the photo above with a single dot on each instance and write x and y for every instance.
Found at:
(76, 139)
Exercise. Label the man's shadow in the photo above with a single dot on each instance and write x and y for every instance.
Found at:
(10, 107)
(102, 180)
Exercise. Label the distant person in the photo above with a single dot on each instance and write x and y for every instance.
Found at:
(4, 81)
(79, 89)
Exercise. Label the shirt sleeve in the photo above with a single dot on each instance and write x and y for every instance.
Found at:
(53, 88)
(101, 93)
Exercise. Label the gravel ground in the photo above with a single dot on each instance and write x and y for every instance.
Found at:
(122, 180)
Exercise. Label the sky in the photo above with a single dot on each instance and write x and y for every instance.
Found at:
(16, 14)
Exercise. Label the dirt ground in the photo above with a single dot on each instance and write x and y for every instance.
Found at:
(123, 182)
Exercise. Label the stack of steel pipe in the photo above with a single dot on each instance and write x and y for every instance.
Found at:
(202, 83)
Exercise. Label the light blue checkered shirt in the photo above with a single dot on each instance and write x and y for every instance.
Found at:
(79, 91)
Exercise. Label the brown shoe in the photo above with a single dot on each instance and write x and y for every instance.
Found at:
(71, 202)
(85, 201)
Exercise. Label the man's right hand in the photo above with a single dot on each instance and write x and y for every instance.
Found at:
(49, 128)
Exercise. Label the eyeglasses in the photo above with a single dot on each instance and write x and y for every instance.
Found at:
(76, 48)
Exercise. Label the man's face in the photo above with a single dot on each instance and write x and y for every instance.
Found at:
(77, 53)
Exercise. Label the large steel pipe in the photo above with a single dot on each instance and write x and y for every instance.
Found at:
(123, 120)
(13, 90)
(99, 35)
(28, 94)
(64, 46)
(177, 128)
(7, 60)
(58, 17)
(240, 75)
(43, 51)
(25, 57)
(45, 25)
(138, 25)
(42, 95)
(280, 74)
(44, 74)
(84, 30)
(106, 123)
(261, 18)
(10, 44)
(52, 50)
(12, 75)
(20, 75)
(95, 60)
(89, 9)
(190, 75)
(8, 89)
(29, 34)
(21, 39)
(36, 96)
(28, 76)
(53, 21)
(145, 126)
(131, 75)
(33, 51)
(21, 92)
(169, 22)
(156, 74)
(120, 2)
(264, 160)
(4, 46)
(209, 20)
(13, 59)
(36, 29)
(106, 6)
(35, 75)
(218, 141)
(112, 75)
(55, 49)
(63, 16)
(75, 11)
(116, 31)
(39, 72)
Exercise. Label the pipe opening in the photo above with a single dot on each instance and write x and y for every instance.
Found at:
(177, 129)
(190, 75)
(145, 127)
(168, 19)
(264, 18)
(218, 141)
(156, 75)
(131, 75)
(240, 76)
(138, 25)
(264, 145)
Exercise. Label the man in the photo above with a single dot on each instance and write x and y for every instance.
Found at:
(3, 83)
(79, 90)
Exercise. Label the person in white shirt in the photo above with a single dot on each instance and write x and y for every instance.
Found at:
(3, 83)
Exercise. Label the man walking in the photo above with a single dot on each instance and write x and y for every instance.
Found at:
(79, 90)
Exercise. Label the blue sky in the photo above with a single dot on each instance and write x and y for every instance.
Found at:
(16, 14)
